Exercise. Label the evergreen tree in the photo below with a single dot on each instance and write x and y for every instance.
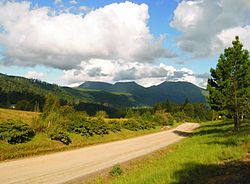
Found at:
(230, 83)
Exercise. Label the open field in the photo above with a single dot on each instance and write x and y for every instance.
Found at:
(25, 116)
(214, 154)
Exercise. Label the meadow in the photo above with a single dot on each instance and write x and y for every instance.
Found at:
(25, 116)
(212, 154)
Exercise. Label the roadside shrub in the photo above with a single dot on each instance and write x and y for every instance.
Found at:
(132, 124)
(88, 127)
(146, 124)
(57, 133)
(138, 124)
(98, 125)
(114, 126)
(180, 116)
(14, 132)
(116, 170)
(82, 127)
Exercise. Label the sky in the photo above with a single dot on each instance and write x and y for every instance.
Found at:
(68, 42)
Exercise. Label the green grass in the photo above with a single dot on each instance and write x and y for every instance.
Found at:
(214, 151)
(41, 144)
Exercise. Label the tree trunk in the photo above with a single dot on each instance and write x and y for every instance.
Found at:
(236, 123)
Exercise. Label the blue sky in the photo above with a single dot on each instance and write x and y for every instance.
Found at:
(69, 42)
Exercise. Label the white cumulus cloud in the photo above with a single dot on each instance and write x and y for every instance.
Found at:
(35, 36)
(206, 24)
(145, 74)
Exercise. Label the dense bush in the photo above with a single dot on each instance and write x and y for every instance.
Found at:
(57, 133)
(15, 132)
(114, 126)
(138, 124)
(88, 126)
(98, 125)
(132, 124)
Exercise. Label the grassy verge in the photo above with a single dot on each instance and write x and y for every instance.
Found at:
(212, 155)
(41, 144)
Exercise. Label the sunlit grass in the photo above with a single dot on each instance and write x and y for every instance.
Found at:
(196, 159)
(25, 116)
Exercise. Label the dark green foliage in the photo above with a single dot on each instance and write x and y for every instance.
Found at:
(92, 108)
(185, 112)
(58, 134)
(82, 127)
(15, 132)
(99, 127)
(138, 124)
(229, 87)
(24, 105)
(114, 126)
(116, 170)
(132, 124)
(88, 126)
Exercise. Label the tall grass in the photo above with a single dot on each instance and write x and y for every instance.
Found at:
(24, 116)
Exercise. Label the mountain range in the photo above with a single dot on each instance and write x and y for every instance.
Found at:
(118, 95)
(174, 91)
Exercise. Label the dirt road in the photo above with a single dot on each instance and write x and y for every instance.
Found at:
(65, 166)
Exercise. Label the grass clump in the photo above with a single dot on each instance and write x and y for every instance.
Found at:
(116, 170)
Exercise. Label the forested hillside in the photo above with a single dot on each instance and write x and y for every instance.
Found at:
(25, 94)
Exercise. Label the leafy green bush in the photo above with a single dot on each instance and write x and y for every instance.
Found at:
(146, 124)
(114, 126)
(98, 126)
(82, 127)
(132, 124)
(57, 133)
(88, 127)
(138, 124)
(14, 132)
(116, 170)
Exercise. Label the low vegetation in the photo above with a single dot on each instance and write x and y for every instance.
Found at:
(61, 127)
(15, 132)
(116, 170)
(213, 154)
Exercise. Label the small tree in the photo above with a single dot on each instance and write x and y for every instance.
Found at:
(52, 104)
(230, 83)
